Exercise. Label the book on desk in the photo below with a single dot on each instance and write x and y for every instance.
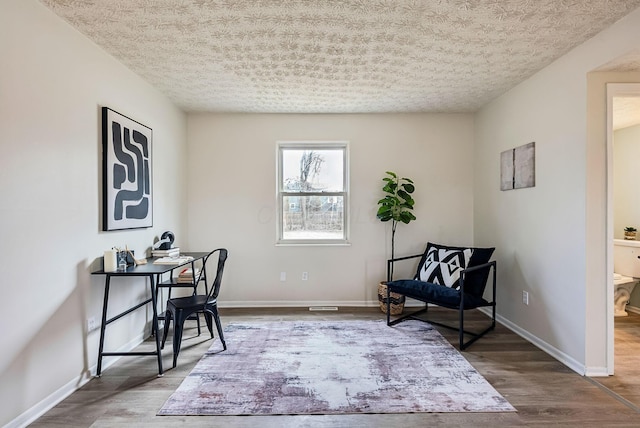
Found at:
(171, 252)
(178, 260)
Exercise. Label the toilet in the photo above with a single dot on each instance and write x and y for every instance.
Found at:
(626, 273)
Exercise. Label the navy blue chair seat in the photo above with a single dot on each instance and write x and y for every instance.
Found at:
(436, 293)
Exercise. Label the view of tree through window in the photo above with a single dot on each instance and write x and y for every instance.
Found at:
(312, 192)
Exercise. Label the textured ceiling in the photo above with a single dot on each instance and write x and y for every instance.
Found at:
(337, 56)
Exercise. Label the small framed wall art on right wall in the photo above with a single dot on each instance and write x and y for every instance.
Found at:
(518, 167)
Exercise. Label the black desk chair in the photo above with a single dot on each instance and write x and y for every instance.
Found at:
(190, 282)
(180, 308)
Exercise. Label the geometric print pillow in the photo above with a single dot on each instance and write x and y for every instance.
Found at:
(442, 266)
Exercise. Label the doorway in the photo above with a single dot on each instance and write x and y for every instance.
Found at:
(623, 110)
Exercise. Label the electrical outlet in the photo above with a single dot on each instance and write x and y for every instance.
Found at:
(305, 276)
(283, 276)
(525, 297)
(92, 324)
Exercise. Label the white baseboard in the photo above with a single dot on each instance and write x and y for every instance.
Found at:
(565, 359)
(634, 309)
(294, 304)
(597, 372)
(308, 303)
(32, 414)
(49, 402)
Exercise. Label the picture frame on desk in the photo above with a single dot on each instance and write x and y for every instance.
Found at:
(126, 171)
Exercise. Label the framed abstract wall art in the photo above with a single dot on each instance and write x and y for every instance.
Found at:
(518, 167)
(126, 170)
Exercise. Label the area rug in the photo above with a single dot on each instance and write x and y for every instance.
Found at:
(332, 367)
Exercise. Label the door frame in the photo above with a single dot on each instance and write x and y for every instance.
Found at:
(613, 90)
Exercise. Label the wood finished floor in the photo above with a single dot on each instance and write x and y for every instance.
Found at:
(626, 382)
(544, 391)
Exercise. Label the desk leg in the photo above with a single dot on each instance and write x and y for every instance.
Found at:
(158, 281)
(103, 324)
(154, 323)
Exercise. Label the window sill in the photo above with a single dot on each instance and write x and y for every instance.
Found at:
(313, 244)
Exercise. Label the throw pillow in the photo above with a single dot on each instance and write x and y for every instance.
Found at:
(443, 266)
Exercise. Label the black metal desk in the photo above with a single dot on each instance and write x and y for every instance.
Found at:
(153, 272)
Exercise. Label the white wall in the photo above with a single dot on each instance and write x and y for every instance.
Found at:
(53, 82)
(626, 176)
(232, 167)
(550, 238)
(626, 195)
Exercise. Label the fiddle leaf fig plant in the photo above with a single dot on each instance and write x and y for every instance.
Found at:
(397, 205)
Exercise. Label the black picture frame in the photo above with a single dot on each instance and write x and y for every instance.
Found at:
(126, 171)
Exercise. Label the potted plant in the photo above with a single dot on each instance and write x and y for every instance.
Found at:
(395, 207)
(630, 233)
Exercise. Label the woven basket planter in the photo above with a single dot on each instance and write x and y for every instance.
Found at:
(397, 300)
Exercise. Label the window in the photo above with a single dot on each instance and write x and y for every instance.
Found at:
(312, 192)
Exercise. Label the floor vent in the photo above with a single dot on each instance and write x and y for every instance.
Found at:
(323, 308)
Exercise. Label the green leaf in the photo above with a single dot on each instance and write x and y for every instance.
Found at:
(389, 200)
(384, 210)
(390, 188)
(406, 217)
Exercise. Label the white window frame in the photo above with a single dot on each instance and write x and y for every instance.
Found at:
(281, 193)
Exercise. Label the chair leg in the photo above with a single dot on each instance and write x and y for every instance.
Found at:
(197, 314)
(178, 325)
(461, 329)
(209, 319)
(198, 322)
(216, 317)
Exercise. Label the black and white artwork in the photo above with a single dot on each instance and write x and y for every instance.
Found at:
(518, 167)
(127, 199)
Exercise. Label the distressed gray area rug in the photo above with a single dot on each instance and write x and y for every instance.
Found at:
(333, 367)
